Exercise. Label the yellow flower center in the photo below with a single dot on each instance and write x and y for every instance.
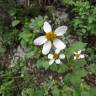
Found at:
(77, 56)
(56, 56)
(50, 36)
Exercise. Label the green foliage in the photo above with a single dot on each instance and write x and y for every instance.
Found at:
(15, 22)
(2, 48)
(32, 92)
(77, 73)
(5, 88)
(28, 92)
(7, 39)
(92, 68)
(59, 68)
(84, 21)
(78, 63)
(56, 88)
(37, 23)
(43, 63)
(26, 37)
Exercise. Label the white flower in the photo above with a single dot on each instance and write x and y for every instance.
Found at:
(51, 37)
(78, 55)
(55, 57)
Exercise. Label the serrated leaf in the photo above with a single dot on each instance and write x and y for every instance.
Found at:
(67, 78)
(62, 68)
(15, 23)
(26, 36)
(55, 91)
(43, 63)
(92, 68)
(76, 93)
(38, 93)
(76, 76)
(28, 92)
(58, 68)
(92, 91)
(78, 63)
(54, 67)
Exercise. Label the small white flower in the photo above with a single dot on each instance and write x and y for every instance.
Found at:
(78, 55)
(51, 37)
(56, 57)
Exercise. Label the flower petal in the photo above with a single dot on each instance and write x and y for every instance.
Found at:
(60, 30)
(61, 56)
(75, 58)
(82, 56)
(46, 48)
(47, 27)
(40, 40)
(79, 52)
(58, 61)
(50, 56)
(51, 61)
(75, 53)
(59, 44)
(57, 51)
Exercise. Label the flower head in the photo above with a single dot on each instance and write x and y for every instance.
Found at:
(78, 55)
(56, 57)
(51, 37)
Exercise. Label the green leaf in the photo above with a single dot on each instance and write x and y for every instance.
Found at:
(6, 87)
(37, 23)
(15, 23)
(62, 68)
(55, 91)
(28, 92)
(76, 76)
(92, 68)
(58, 68)
(78, 63)
(43, 63)
(67, 78)
(92, 91)
(38, 92)
(32, 53)
(26, 36)
(76, 93)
